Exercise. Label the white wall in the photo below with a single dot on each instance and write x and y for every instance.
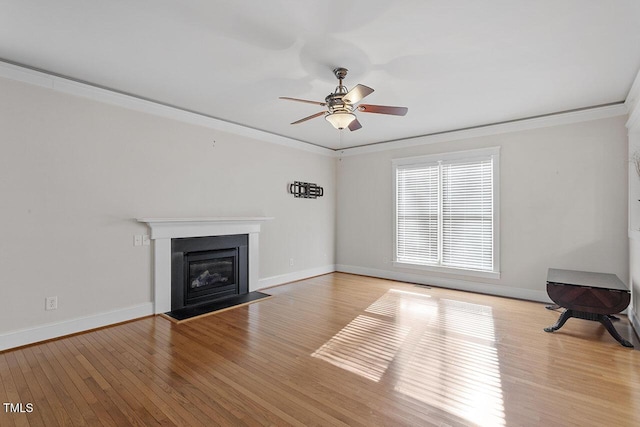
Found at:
(563, 193)
(74, 173)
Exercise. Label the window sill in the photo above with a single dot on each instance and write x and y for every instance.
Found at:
(449, 270)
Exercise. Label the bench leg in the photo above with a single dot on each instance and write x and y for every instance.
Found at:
(561, 321)
(612, 330)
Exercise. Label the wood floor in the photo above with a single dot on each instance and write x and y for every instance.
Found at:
(334, 350)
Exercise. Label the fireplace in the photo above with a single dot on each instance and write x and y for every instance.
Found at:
(208, 269)
(165, 230)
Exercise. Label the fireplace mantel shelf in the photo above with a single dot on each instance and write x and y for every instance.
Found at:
(165, 229)
(207, 219)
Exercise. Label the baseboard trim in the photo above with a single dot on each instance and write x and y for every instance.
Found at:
(457, 284)
(56, 330)
(49, 331)
(268, 282)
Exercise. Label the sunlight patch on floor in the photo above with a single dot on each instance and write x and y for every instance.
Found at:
(365, 346)
(404, 304)
(442, 351)
(455, 365)
(455, 376)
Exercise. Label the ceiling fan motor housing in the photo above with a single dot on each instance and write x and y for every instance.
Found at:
(335, 103)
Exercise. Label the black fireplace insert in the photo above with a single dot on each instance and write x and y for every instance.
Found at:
(207, 269)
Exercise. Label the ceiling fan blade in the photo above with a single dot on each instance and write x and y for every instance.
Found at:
(322, 104)
(313, 116)
(354, 125)
(383, 109)
(356, 94)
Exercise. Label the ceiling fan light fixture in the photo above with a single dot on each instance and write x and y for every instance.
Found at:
(341, 104)
(340, 119)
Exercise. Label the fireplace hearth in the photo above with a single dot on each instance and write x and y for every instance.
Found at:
(208, 269)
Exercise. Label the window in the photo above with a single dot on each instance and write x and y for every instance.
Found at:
(446, 212)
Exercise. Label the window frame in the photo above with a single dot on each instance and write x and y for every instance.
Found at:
(467, 155)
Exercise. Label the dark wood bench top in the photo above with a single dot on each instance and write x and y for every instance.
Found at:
(586, 279)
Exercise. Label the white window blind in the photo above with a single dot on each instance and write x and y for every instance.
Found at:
(417, 214)
(445, 212)
(467, 215)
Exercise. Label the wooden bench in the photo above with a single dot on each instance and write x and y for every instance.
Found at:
(590, 296)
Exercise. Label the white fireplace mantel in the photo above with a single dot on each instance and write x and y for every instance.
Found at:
(165, 229)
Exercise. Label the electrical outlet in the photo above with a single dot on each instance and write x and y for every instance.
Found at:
(137, 240)
(145, 240)
(290, 262)
(51, 303)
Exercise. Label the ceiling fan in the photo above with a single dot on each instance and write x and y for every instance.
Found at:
(341, 105)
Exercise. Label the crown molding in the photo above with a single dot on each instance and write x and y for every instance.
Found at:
(549, 120)
(131, 102)
(65, 85)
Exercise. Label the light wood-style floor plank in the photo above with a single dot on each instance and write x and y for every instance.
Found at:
(338, 350)
(9, 392)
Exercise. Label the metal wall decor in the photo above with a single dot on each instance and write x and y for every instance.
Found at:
(306, 190)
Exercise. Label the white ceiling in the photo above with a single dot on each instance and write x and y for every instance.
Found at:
(454, 64)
